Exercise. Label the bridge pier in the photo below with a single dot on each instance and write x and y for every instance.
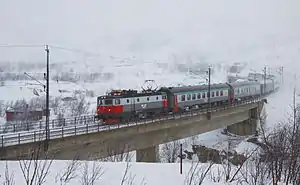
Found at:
(246, 127)
(149, 154)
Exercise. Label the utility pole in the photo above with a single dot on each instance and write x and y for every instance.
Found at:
(209, 94)
(46, 76)
(281, 72)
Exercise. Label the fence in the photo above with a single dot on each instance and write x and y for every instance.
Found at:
(84, 126)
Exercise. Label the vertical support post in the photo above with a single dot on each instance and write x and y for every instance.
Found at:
(47, 101)
(209, 95)
(265, 78)
(2, 142)
(181, 158)
(19, 140)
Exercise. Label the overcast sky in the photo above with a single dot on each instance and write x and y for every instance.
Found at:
(218, 30)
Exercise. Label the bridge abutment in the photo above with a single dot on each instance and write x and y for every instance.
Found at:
(149, 154)
(246, 127)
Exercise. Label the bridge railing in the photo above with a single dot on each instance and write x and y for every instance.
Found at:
(18, 126)
(89, 125)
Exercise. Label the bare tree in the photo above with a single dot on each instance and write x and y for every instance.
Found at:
(169, 152)
(197, 173)
(69, 172)
(89, 177)
(254, 172)
(36, 170)
(128, 179)
(79, 105)
(8, 178)
(122, 155)
(216, 176)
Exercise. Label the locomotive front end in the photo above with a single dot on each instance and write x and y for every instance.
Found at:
(109, 109)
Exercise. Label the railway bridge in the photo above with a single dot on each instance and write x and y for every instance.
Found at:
(93, 140)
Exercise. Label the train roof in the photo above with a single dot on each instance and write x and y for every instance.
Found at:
(234, 84)
(128, 94)
(194, 88)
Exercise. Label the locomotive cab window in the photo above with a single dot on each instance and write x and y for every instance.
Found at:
(108, 102)
(194, 96)
(164, 97)
(100, 102)
(117, 101)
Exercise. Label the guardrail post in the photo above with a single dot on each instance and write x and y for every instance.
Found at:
(98, 126)
(19, 138)
(84, 120)
(87, 128)
(62, 132)
(64, 123)
(14, 127)
(75, 129)
(75, 120)
(34, 136)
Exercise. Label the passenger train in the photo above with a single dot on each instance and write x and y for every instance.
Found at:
(125, 105)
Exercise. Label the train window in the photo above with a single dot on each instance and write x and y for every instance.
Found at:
(127, 100)
(238, 91)
(208, 95)
(188, 97)
(100, 102)
(147, 98)
(108, 102)
(203, 95)
(213, 94)
(221, 93)
(164, 97)
(137, 99)
(156, 97)
(198, 96)
(183, 97)
(217, 93)
(193, 96)
(117, 101)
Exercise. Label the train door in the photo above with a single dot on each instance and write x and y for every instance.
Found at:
(132, 106)
(175, 103)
